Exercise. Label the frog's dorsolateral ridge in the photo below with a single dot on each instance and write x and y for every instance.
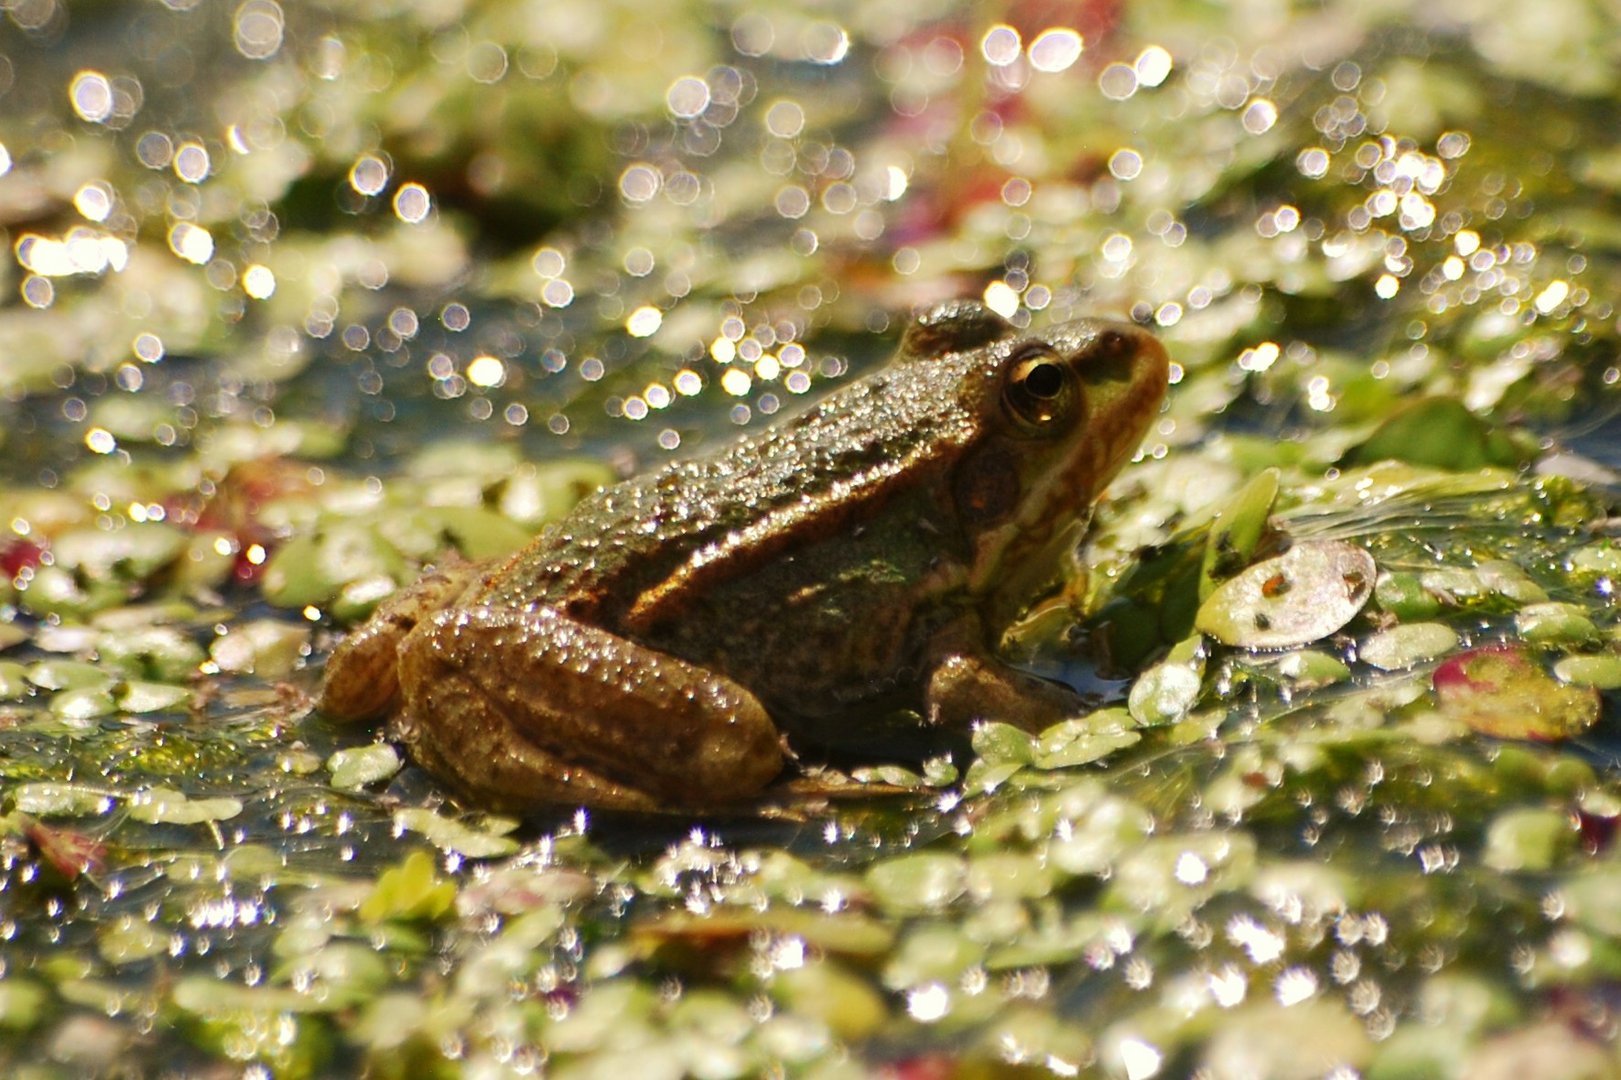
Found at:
(652, 649)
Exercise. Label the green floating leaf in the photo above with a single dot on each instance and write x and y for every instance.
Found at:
(1405, 595)
(146, 697)
(1237, 531)
(477, 532)
(1510, 581)
(834, 995)
(1310, 669)
(130, 553)
(926, 881)
(129, 939)
(14, 681)
(1084, 740)
(269, 648)
(1441, 433)
(84, 703)
(1529, 838)
(1602, 671)
(1301, 596)
(1601, 559)
(997, 743)
(69, 675)
(23, 1003)
(166, 806)
(1555, 623)
(1503, 691)
(1163, 694)
(1404, 646)
(451, 834)
(47, 799)
(310, 569)
(160, 653)
(409, 892)
(354, 768)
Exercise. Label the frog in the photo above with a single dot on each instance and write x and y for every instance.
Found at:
(679, 640)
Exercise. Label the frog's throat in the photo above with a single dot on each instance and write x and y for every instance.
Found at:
(1029, 570)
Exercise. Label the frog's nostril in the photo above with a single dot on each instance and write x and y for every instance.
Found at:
(1112, 345)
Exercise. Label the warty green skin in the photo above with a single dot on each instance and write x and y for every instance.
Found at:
(645, 651)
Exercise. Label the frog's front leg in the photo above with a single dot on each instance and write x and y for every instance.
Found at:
(967, 684)
(529, 707)
(966, 689)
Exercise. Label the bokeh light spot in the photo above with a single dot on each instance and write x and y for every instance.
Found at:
(644, 321)
(1260, 116)
(412, 203)
(191, 242)
(485, 371)
(1001, 298)
(92, 96)
(1118, 81)
(368, 175)
(191, 162)
(259, 282)
(259, 25)
(1001, 45)
(1055, 49)
(94, 201)
(639, 183)
(1153, 66)
(785, 119)
(687, 97)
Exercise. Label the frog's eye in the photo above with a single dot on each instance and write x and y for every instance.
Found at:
(1040, 389)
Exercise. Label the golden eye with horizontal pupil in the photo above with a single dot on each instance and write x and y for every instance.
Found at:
(1040, 389)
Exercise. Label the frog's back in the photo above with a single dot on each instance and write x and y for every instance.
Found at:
(752, 500)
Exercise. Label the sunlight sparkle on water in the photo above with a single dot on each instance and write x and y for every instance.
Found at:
(1295, 985)
(1153, 66)
(644, 321)
(368, 175)
(1055, 49)
(412, 203)
(92, 96)
(191, 242)
(259, 26)
(929, 1003)
(486, 371)
(1141, 1059)
(1190, 869)
(1001, 298)
(191, 162)
(1001, 45)
(258, 281)
(94, 201)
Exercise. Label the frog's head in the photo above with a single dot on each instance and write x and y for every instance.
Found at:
(1056, 414)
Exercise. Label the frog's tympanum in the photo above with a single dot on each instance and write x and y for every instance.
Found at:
(656, 647)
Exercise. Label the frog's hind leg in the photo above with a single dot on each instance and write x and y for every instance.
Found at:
(361, 678)
(485, 763)
(526, 708)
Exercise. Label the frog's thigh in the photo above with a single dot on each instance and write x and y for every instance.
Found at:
(964, 688)
(585, 715)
